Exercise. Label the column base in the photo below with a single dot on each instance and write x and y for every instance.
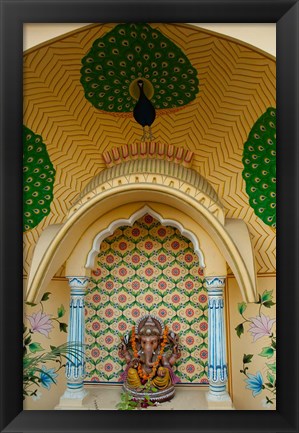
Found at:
(218, 398)
(72, 399)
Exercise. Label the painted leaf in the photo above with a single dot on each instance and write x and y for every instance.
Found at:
(27, 340)
(35, 347)
(267, 295)
(31, 304)
(270, 377)
(61, 311)
(267, 352)
(62, 327)
(242, 307)
(45, 296)
(268, 304)
(239, 329)
(247, 358)
(272, 367)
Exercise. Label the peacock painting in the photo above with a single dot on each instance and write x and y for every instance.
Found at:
(38, 179)
(134, 70)
(259, 159)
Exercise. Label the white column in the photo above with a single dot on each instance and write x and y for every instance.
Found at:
(217, 373)
(75, 367)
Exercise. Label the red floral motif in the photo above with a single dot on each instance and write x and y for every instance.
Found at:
(135, 258)
(122, 298)
(162, 258)
(175, 272)
(96, 298)
(94, 379)
(109, 285)
(135, 232)
(162, 285)
(175, 299)
(148, 245)
(203, 354)
(123, 246)
(175, 245)
(162, 313)
(176, 326)
(110, 258)
(85, 311)
(108, 367)
(96, 326)
(203, 326)
(97, 272)
(190, 368)
(122, 272)
(135, 312)
(203, 380)
(189, 285)
(109, 312)
(190, 340)
(95, 353)
(202, 298)
(109, 339)
(188, 258)
(149, 272)
(189, 312)
(162, 232)
(122, 326)
(135, 285)
(149, 299)
(200, 272)
(148, 219)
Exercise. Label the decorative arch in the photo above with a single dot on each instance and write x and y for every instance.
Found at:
(159, 182)
(129, 222)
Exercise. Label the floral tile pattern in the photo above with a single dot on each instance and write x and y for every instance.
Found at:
(146, 268)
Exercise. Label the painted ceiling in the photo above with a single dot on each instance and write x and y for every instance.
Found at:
(236, 87)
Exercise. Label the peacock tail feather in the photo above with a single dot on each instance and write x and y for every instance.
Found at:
(259, 160)
(38, 180)
(132, 51)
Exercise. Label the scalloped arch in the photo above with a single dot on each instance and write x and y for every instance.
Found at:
(129, 222)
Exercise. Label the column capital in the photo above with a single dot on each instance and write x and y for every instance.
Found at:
(78, 285)
(215, 282)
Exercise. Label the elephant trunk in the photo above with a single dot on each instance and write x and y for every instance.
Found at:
(148, 355)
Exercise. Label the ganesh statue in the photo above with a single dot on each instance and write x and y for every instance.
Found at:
(150, 351)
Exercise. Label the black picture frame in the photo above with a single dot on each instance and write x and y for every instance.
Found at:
(13, 15)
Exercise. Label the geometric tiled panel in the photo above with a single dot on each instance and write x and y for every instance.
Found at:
(150, 268)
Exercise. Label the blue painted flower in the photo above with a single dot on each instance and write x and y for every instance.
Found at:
(255, 383)
(47, 377)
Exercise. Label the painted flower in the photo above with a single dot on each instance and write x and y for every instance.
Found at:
(40, 322)
(255, 383)
(261, 326)
(47, 377)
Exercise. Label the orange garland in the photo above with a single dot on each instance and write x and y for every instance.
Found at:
(157, 362)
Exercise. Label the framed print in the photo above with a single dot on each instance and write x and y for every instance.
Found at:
(145, 194)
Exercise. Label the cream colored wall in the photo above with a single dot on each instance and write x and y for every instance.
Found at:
(60, 294)
(242, 397)
(262, 35)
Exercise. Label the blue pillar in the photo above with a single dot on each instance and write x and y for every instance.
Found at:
(75, 368)
(217, 372)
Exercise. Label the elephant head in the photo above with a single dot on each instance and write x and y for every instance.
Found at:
(149, 338)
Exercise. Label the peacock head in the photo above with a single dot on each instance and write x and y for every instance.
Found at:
(140, 83)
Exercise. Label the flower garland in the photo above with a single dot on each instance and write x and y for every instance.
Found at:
(141, 373)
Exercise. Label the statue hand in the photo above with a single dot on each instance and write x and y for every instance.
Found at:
(161, 372)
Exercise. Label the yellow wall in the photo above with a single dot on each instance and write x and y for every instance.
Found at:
(242, 397)
(60, 294)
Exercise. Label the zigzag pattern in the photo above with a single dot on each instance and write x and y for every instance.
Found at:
(237, 85)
